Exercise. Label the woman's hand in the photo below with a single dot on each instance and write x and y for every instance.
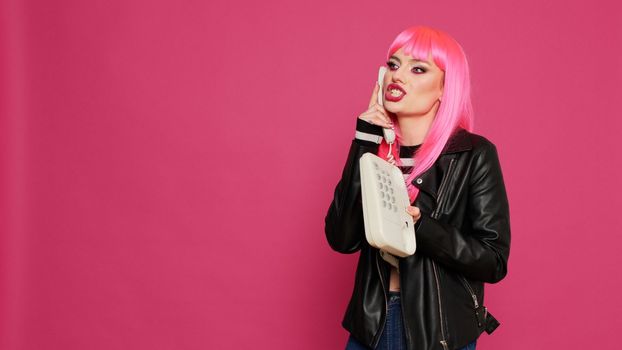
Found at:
(376, 114)
(415, 212)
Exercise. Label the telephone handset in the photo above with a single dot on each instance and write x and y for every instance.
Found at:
(389, 134)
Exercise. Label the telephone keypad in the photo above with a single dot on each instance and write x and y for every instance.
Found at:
(386, 191)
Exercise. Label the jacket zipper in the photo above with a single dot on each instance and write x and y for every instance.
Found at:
(440, 307)
(386, 306)
(442, 188)
(435, 215)
(475, 302)
(468, 287)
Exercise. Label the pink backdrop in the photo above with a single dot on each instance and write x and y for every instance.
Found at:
(166, 167)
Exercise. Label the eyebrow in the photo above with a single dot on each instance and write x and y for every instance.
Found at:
(411, 60)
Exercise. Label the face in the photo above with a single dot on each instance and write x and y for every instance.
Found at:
(412, 87)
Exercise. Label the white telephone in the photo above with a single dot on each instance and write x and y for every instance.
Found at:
(388, 226)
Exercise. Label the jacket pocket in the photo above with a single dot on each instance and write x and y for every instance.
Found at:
(481, 312)
(483, 317)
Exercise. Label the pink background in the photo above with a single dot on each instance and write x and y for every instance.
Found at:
(166, 167)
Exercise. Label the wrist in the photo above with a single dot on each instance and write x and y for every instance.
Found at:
(366, 131)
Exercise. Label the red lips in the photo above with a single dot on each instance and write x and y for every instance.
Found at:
(389, 97)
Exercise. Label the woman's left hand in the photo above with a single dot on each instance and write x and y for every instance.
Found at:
(415, 212)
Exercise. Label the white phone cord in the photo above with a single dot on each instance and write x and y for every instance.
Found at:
(390, 157)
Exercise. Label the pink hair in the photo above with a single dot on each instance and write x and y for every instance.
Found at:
(455, 109)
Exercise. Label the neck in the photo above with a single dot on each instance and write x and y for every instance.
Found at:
(414, 128)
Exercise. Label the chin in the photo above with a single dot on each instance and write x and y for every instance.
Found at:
(390, 106)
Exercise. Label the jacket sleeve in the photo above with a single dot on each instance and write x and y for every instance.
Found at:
(482, 251)
(344, 226)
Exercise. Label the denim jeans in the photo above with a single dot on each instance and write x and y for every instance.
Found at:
(393, 337)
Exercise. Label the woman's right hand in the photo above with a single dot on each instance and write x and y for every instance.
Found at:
(376, 114)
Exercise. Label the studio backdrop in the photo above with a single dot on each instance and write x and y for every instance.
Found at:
(166, 167)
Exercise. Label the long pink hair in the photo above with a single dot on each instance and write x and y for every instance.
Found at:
(454, 111)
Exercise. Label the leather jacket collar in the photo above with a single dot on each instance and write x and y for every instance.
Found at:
(458, 142)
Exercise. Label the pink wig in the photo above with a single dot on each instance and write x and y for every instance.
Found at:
(454, 111)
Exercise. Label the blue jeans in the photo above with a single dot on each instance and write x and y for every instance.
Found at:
(393, 337)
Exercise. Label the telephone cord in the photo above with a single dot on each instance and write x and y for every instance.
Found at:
(390, 157)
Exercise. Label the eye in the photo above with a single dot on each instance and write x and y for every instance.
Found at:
(391, 65)
(421, 70)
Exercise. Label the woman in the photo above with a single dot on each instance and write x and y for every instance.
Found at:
(434, 298)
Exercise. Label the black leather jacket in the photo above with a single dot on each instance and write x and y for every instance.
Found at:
(463, 240)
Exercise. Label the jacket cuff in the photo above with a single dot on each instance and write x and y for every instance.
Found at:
(426, 232)
(368, 133)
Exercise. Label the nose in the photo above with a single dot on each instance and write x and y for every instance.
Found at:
(398, 75)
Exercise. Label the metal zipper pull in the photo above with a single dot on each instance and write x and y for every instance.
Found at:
(469, 289)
